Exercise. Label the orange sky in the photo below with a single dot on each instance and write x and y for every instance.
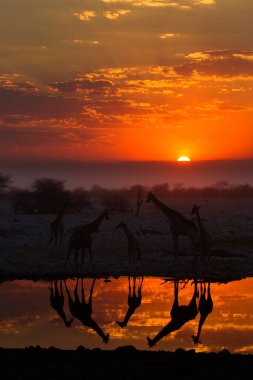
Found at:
(132, 80)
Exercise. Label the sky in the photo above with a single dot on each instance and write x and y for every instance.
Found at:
(126, 80)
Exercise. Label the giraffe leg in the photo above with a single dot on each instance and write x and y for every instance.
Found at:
(175, 240)
(76, 262)
(91, 258)
(91, 292)
(82, 256)
(195, 246)
(68, 256)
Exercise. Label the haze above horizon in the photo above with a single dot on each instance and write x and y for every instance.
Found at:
(116, 174)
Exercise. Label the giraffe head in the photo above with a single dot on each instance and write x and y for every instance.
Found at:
(195, 339)
(195, 209)
(69, 322)
(106, 338)
(150, 197)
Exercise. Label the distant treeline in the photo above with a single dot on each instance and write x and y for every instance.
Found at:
(46, 195)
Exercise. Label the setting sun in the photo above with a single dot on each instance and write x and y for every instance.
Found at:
(183, 159)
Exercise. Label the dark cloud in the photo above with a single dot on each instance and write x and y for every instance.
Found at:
(82, 85)
(14, 102)
(219, 63)
(44, 135)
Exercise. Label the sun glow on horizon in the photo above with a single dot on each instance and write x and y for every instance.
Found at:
(183, 159)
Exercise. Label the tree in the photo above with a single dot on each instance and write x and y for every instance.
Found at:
(49, 194)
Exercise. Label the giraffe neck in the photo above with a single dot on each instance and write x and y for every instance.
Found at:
(129, 313)
(201, 228)
(94, 225)
(128, 233)
(169, 328)
(94, 326)
(170, 213)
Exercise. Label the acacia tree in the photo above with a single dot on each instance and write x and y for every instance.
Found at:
(48, 195)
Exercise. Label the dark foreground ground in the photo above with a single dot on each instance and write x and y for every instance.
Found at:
(122, 363)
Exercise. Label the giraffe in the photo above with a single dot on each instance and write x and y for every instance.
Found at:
(179, 315)
(81, 238)
(134, 300)
(82, 310)
(57, 301)
(133, 245)
(57, 227)
(205, 308)
(204, 238)
(179, 224)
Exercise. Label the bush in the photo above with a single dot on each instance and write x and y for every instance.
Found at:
(22, 201)
(5, 182)
(117, 201)
(80, 199)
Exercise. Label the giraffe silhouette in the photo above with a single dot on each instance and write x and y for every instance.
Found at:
(205, 308)
(179, 315)
(134, 249)
(57, 301)
(134, 300)
(179, 224)
(82, 310)
(81, 239)
(57, 228)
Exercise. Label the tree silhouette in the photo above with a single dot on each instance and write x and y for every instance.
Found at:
(48, 194)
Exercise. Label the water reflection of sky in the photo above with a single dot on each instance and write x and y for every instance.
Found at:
(26, 317)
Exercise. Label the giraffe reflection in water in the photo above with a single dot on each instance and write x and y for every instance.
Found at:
(57, 301)
(134, 299)
(179, 315)
(205, 308)
(82, 310)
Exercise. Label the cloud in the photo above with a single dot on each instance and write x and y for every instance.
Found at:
(82, 85)
(85, 15)
(113, 15)
(224, 63)
(168, 35)
(185, 4)
(37, 105)
(207, 87)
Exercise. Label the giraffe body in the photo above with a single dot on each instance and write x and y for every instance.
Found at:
(205, 308)
(133, 245)
(134, 300)
(57, 301)
(57, 227)
(180, 314)
(179, 225)
(81, 238)
(82, 310)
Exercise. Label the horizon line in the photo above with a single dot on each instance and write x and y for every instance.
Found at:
(43, 160)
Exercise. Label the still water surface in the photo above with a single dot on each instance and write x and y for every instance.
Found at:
(170, 314)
